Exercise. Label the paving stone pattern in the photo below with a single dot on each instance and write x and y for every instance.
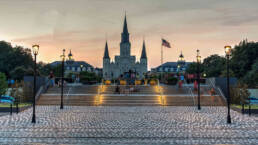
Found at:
(128, 125)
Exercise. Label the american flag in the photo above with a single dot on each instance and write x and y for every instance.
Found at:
(165, 43)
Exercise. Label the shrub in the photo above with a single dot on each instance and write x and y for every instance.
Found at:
(89, 77)
(3, 84)
(172, 81)
(239, 94)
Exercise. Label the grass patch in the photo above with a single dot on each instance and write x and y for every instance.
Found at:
(3, 105)
(246, 106)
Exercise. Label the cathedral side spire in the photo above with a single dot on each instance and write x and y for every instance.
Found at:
(106, 54)
(143, 51)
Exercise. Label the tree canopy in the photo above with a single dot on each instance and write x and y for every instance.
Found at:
(214, 65)
(244, 56)
(3, 84)
(192, 68)
(12, 57)
(243, 64)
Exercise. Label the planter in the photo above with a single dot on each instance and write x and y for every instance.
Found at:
(107, 82)
(138, 82)
(153, 82)
(7, 109)
(246, 111)
(122, 82)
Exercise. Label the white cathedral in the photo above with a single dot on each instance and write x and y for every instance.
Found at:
(125, 62)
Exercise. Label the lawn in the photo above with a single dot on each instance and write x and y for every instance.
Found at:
(3, 105)
(246, 106)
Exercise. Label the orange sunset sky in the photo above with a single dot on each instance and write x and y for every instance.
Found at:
(84, 25)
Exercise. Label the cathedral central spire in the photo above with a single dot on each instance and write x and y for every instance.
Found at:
(125, 34)
(125, 29)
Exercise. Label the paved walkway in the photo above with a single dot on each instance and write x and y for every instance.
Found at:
(128, 125)
(3, 113)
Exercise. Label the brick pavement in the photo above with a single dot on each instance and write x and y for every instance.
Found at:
(128, 125)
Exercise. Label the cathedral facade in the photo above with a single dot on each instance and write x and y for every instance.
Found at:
(125, 62)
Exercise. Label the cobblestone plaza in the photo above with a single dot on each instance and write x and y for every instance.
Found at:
(128, 125)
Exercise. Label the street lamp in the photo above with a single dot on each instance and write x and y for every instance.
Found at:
(62, 79)
(35, 50)
(198, 57)
(81, 67)
(112, 74)
(228, 52)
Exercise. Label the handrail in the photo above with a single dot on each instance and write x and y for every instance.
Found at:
(160, 92)
(221, 93)
(42, 89)
(217, 89)
(190, 92)
(99, 92)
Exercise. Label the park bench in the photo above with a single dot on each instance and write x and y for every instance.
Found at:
(9, 100)
(6, 99)
(251, 101)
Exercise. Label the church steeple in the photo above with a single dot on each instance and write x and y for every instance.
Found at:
(70, 55)
(143, 51)
(125, 34)
(106, 54)
(125, 29)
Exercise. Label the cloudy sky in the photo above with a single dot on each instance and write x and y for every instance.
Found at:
(84, 25)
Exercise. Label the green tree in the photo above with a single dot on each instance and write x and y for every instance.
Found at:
(88, 77)
(192, 68)
(12, 57)
(18, 72)
(251, 78)
(239, 94)
(224, 73)
(3, 84)
(57, 70)
(244, 56)
(45, 69)
(214, 65)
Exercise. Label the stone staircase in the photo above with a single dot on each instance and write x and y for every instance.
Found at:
(87, 95)
(142, 96)
(141, 89)
(84, 95)
(127, 100)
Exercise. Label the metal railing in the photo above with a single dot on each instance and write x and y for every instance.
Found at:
(160, 92)
(43, 89)
(190, 91)
(100, 91)
(217, 89)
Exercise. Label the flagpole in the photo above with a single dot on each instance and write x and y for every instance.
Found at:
(161, 55)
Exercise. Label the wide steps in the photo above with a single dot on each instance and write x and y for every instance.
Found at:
(144, 96)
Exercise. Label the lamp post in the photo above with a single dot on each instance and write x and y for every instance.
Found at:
(81, 67)
(198, 77)
(112, 75)
(62, 80)
(228, 51)
(35, 50)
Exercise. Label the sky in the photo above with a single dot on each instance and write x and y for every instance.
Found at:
(84, 25)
